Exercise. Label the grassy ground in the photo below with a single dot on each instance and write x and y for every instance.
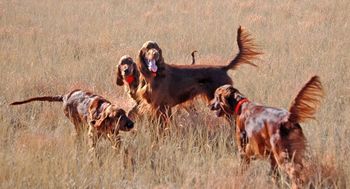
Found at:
(50, 47)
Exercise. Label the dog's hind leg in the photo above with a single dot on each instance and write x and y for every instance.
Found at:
(284, 161)
(274, 170)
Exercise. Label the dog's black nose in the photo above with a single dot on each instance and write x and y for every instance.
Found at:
(130, 125)
(211, 106)
(126, 72)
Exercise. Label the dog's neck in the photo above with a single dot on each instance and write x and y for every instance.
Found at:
(153, 74)
(130, 79)
(238, 108)
(131, 85)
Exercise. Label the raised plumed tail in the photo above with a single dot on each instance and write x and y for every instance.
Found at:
(307, 101)
(247, 50)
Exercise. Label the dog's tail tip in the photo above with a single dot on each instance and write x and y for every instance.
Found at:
(193, 58)
(248, 50)
(307, 101)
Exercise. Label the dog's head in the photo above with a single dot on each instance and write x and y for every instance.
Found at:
(225, 100)
(118, 116)
(126, 70)
(107, 115)
(150, 58)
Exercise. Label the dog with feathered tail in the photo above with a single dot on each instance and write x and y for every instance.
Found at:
(268, 132)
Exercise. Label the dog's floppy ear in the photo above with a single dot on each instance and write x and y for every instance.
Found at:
(95, 117)
(140, 62)
(161, 59)
(136, 72)
(142, 53)
(234, 96)
(119, 77)
(230, 95)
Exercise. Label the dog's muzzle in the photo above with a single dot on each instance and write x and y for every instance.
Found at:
(127, 72)
(215, 106)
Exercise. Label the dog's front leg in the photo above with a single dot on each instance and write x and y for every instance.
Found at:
(92, 137)
(115, 140)
(239, 139)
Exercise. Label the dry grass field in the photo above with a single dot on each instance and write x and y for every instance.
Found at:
(49, 47)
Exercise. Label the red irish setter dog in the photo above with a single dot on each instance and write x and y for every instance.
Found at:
(86, 109)
(127, 74)
(168, 85)
(263, 131)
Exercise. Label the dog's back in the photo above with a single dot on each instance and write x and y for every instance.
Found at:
(76, 105)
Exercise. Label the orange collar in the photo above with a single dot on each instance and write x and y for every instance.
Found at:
(129, 79)
(239, 104)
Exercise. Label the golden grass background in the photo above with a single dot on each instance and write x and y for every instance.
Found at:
(50, 47)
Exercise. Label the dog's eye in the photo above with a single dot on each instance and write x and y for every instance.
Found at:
(120, 113)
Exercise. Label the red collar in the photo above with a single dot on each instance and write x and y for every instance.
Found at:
(154, 74)
(129, 79)
(239, 104)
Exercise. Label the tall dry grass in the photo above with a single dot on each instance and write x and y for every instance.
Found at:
(50, 47)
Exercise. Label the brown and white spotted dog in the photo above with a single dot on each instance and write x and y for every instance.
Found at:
(86, 109)
(263, 131)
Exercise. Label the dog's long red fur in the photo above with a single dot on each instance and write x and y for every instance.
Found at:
(127, 74)
(175, 84)
(263, 131)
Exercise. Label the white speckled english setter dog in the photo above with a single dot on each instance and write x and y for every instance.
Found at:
(83, 108)
(263, 131)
